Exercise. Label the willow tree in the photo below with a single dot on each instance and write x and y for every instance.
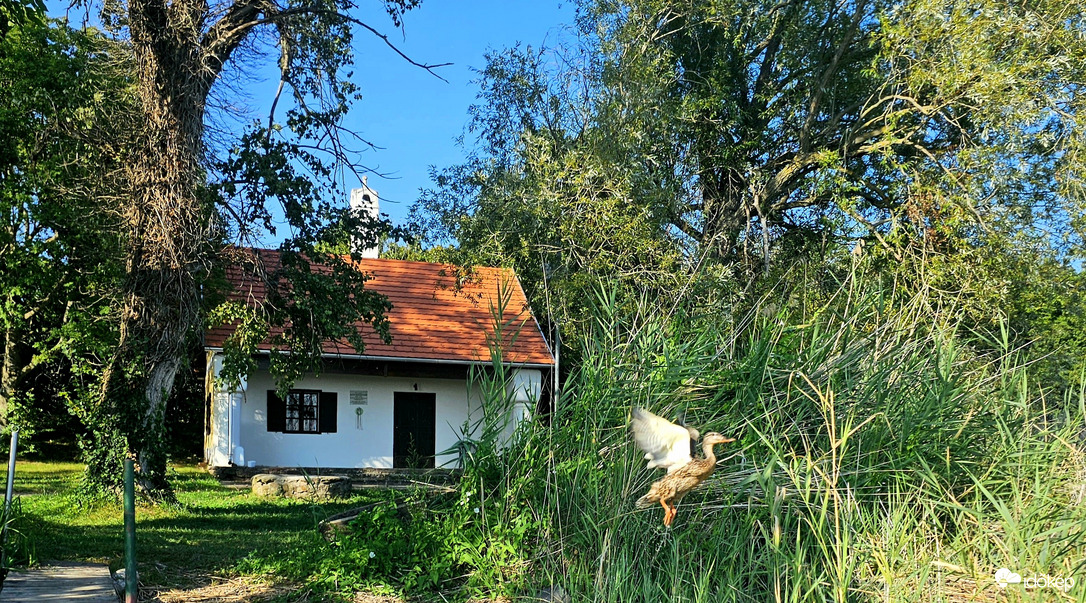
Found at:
(746, 132)
(187, 204)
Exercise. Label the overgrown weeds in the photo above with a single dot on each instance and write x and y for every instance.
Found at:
(883, 455)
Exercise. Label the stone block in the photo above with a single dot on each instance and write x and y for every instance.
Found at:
(321, 487)
(267, 484)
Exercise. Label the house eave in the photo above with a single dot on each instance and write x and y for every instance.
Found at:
(444, 361)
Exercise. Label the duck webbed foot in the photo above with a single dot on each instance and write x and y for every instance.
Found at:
(667, 512)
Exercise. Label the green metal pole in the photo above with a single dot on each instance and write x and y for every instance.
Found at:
(7, 506)
(131, 587)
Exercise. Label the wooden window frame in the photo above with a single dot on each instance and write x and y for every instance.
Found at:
(296, 401)
(323, 417)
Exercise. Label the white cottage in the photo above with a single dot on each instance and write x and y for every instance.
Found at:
(396, 405)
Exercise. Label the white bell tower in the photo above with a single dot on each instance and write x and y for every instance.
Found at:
(365, 201)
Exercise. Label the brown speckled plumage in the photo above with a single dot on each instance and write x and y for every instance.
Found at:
(677, 484)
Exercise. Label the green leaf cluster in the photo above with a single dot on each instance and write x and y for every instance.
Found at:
(65, 119)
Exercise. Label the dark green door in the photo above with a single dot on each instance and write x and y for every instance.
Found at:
(413, 420)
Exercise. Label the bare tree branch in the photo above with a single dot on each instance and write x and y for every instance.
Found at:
(224, 36)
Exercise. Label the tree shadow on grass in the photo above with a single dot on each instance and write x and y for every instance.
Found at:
(214, 535)
(192, 540)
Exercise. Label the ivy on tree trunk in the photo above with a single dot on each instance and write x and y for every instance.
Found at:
(187, 208)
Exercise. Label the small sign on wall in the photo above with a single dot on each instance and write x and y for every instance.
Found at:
(359, 398)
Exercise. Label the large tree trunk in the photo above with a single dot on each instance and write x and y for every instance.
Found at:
(725, 212)
(167, 229)
(9, 372)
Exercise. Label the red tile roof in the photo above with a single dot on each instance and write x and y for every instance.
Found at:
(431, 319)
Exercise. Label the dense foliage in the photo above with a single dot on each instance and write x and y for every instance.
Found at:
(880, 456)
(848, 234)
(65, 122)
(734, 140)
(123, 210)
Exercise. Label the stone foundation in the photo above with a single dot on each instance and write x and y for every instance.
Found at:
(358, 476)
(321, 487)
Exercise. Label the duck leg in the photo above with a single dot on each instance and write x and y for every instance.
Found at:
(667, 511)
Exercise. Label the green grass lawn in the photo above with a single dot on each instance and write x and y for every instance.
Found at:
(214, 530)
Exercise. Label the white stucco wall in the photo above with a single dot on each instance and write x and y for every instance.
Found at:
(524, 387)
(239, 420)
(350, 446)
(223, 444)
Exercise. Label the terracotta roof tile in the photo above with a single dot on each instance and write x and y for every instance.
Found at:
(431, 319)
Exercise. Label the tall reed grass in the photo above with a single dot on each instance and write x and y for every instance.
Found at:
(879, 458)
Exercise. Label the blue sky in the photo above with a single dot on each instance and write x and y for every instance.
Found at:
(415, 116)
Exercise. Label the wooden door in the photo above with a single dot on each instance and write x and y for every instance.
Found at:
(413, 423)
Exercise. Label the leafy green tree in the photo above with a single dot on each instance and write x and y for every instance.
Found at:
(1006, 77)
(537, 195)
(749, 134)
(192, 198)
(65, 115)
(20, 12)
(1047, 312)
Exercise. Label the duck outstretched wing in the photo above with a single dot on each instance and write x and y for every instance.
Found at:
(666, 444)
